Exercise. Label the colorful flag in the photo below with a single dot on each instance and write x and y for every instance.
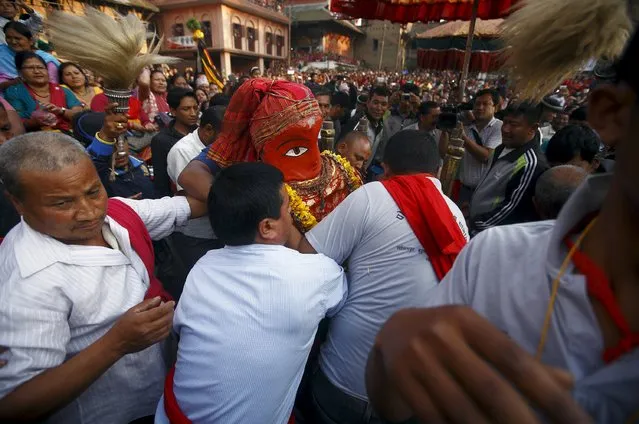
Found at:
(208, 67)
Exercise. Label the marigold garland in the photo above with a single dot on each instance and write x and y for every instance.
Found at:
(301, 212)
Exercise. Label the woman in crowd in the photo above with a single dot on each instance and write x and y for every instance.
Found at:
(73, 77)
(179, 81)
(42, 104)
(20, 39)
(152, 91)
(202, 99)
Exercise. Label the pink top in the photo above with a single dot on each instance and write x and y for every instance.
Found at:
(6, 104)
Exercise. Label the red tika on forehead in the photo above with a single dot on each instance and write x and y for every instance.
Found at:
(260, 108)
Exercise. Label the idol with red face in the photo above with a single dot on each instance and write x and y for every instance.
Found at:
(278, 122)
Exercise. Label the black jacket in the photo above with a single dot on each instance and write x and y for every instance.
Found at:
(160, 146)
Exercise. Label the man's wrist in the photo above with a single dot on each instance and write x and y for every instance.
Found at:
(104, 138)
(111, 345)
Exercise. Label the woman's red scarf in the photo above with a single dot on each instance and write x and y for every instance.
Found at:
(430, 218)
(56, 98)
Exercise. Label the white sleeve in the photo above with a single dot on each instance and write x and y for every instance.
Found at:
(335, 286)
(494, 138)
(36, 331)
(161, 216)
(176, 161)
(337, 235)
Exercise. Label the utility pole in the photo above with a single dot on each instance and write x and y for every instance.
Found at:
(381, 55)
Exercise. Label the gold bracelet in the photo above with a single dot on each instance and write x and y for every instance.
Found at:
(111, 143)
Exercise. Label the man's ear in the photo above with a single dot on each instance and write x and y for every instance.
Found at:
(17, 204)
(387, 171)
(341, 148)
(609, 112)
(267, 229)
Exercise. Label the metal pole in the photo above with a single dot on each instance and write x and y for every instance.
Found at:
(290, 18)
(381, 55)
(468, 52)
(398, 61)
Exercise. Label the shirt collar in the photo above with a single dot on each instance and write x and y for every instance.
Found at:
(587, 199)
(49, 250)
(490, 124)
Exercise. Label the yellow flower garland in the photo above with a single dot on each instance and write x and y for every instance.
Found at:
(301, 212)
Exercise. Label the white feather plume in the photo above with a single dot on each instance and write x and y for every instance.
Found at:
(113, 48)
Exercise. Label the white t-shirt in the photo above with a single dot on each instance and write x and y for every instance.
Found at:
(387, 271)
(473, 170)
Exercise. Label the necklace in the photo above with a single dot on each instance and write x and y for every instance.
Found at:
(40, 95)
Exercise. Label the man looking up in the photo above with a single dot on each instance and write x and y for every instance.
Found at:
(244, 366)
(504, 195)
(480, 139)
(400, 237)
(184, 108)
(356, 149)
(81, 310)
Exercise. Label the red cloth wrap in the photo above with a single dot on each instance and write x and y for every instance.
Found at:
(141, 243)
(429, 217)
(251, 118)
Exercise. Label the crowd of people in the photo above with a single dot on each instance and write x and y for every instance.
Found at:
(199, 258)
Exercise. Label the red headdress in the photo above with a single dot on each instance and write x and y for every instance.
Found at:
(259, 111)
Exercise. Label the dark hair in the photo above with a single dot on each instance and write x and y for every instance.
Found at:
(579, 114)
(530, 111)
(213, 116)
(220, 100)
(411, 152)
(156, 71)
(341, 99)
(22, 57)
(20, 28)
(426, 107)
(243, 195)
(494, 95)
(66, 65)
(322, 93)
(380, 91)
(570, 141)
(175, 96)
(410, 88)
(175, 77)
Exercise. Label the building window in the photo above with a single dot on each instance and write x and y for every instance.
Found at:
(251, 35)
(375, 44)
(237, 36)
(269, 43)
(279, 42)
(206, 29)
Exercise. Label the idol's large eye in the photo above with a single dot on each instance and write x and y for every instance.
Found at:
(296, 151)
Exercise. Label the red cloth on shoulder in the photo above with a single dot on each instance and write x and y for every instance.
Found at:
(141, 243)
(100, 102)
(430, 218)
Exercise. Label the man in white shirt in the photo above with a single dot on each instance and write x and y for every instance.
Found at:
(480, 139)
(249, 312)
(399, 237)
(83, 341)
(564, 291)
(196, 238)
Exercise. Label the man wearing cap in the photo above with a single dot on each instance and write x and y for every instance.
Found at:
(564, 291)
(550, 107)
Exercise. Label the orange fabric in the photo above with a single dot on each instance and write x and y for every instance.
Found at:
(429, 217)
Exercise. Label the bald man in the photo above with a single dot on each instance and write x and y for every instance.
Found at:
(355, 148)
(555, 187)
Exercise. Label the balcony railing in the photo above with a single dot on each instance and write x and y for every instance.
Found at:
(274, 5)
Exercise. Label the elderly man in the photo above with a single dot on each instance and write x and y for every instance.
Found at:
(554, 188)
(80, 308)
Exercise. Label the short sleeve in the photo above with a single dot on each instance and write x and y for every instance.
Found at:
(161, 216)
(203, 157)
(494, 138)
(337, 235)
(71, 100)
(36, 333)
(11, 95)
